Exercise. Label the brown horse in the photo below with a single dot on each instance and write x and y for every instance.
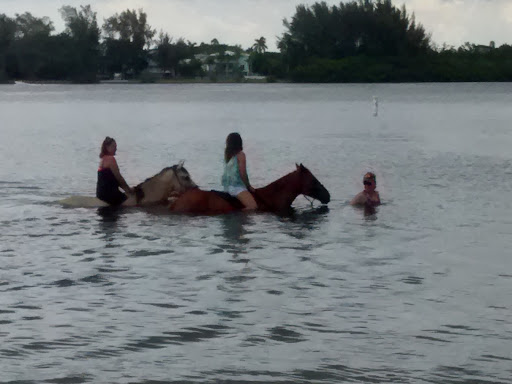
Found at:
(276, 197)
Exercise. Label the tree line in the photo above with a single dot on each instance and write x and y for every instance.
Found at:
(83, 52)
(374, 41)
(358, 41)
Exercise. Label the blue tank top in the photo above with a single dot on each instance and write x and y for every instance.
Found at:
(231, 176)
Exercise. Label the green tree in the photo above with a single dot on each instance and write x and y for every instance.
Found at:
(367, 27)
(28, 26)
(170, 54)
(84, 33)
(7, 34)
(260, 45)
(29, 49)
(268, 64)
(191, 68)
(127, 36)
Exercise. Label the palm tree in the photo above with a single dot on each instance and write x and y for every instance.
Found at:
(260, 45)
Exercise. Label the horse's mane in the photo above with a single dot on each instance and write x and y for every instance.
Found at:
(271, 188)
(279, 183)
(139, 192)
(158, 174)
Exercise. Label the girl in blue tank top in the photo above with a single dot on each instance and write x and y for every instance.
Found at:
(235, 179)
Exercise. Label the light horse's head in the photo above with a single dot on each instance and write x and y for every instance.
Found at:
(170, 181)
(310, 186)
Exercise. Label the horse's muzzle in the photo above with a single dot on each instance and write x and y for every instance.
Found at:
(325, 197)
(321, 194)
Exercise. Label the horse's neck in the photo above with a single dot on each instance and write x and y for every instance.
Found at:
(155, 188)
(280, 194)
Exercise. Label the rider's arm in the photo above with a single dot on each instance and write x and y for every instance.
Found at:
(112, 164)
(359, 199)
(242, 166)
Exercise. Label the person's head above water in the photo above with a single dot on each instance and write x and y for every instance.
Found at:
(108, 147)
(369, 181)
(233, 145)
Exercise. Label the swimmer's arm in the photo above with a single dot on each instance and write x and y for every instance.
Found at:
(378, 197)
(359, 199)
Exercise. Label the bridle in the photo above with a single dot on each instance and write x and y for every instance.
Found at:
(311, 201)
(183, 187)
(177, 177)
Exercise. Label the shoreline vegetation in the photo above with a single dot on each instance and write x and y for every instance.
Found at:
(364, 41)
(209, 82)
(138, 81)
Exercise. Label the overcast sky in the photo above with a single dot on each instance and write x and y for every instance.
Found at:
(242, 21)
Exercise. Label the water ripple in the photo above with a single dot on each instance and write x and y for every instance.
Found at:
(285, 335)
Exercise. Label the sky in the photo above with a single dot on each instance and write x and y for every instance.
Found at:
(451, 22)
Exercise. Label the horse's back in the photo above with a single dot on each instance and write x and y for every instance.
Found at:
(201, 202)
(231, 200)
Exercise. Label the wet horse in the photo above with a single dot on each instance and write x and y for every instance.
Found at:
(169, 182)
(276, 197)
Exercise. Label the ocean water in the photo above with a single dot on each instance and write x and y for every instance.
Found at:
(419, 291)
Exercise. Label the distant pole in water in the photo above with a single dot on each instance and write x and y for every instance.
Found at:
(375, 106)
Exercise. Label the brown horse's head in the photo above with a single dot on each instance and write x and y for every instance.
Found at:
(311, 187)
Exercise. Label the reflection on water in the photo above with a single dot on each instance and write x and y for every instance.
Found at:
(234, 231)
(108, 218)
(370, 213)
(109, 214)
(310, 215)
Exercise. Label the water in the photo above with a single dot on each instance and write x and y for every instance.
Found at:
(417, 292)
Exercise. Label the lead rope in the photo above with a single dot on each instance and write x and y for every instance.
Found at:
(310, 201)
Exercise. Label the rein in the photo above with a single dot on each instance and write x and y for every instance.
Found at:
(311, 201)
(183, 188)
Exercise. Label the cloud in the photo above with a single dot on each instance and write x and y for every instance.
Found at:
(242, 21)
(458, 21)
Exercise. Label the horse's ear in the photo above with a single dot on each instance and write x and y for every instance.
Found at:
(180, 164)
(297, 165)
(302, 168)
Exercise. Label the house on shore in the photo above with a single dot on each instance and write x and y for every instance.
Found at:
(228, 64)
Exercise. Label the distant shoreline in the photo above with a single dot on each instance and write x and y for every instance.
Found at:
(262, 80)
(207, 81)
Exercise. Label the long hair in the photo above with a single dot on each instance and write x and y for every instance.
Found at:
(108, 140)
(233, 146)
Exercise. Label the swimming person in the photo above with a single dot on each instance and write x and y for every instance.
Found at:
(109, 177)
(235, 179)
(369, 197)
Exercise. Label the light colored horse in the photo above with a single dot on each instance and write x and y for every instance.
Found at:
(168, 183)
